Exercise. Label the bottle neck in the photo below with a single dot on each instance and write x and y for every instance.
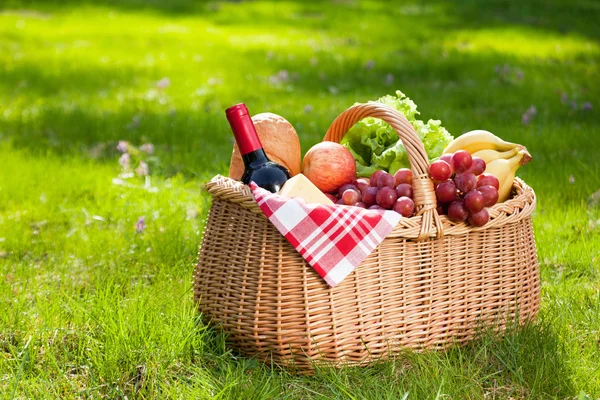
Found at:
(243, 129)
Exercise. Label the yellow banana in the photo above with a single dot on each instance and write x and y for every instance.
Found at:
(505, 170)
(477, 140)
(489, 155)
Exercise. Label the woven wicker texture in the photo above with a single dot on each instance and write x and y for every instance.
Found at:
(429, 284)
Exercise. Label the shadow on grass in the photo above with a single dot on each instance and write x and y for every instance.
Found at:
(170, 6)
(78, 110)
(529, 360)
(552, 15)
(525, 362)
(87, 107)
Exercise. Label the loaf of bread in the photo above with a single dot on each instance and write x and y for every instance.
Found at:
(280, 141)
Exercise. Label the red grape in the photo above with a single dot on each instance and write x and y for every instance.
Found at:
(360, 204)
(369, 196)
(465, 182)
(404, 206)
(404, 189)
(351, 196)
(386, 196)
(446, 191)
(478, 166)
(457, 211)
(403, 175)
(375, 177)
(448, 159)
(440, 170)
(362, 184)
(479, 218)
(490, 195)
(488, 179)
(442, 209)
(376, 207)
(386, 180)
(340, 201)
(331, 197)
(461, 161)
(345, 187)
(474, 201)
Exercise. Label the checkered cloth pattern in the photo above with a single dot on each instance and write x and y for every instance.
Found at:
(333, 239)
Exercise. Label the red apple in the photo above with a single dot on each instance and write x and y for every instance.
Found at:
(329, 165)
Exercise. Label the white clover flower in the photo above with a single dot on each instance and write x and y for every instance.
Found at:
(163, 83)
(148, 148)
(124, 160)
(140, 225)
(123, 146)
(143, 169)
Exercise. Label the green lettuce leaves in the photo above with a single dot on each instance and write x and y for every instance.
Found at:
(375, 145)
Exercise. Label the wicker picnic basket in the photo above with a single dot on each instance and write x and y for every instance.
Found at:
(431, 283)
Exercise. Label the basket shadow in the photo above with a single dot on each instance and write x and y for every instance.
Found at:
(525, 357)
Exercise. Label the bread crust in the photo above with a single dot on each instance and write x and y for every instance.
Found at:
(280, 141)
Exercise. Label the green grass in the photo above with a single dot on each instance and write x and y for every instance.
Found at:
(92, 309)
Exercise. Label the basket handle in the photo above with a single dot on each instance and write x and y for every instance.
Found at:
(423, 191)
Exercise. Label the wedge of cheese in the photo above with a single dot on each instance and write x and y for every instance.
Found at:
(300, 186)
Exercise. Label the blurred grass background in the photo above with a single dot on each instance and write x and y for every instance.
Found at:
(92, 308)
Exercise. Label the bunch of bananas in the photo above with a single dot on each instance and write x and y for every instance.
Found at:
(502, 158)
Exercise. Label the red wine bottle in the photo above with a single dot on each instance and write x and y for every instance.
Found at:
(258, 168)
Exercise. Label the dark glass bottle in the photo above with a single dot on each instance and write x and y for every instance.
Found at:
(258, 168)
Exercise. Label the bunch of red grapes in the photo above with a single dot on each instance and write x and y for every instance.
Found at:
(382, 191)
(462, 188)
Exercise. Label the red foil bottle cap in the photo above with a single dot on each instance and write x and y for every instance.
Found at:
(243, 128)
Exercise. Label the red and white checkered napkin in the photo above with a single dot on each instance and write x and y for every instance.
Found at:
(333, 239)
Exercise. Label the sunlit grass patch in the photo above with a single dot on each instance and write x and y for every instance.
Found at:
(523, 43)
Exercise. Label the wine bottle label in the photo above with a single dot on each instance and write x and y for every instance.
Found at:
(243, 129)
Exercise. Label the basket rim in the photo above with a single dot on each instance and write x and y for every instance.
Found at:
(518, 207)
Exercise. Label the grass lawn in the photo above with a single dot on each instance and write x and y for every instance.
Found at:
(92, 308)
